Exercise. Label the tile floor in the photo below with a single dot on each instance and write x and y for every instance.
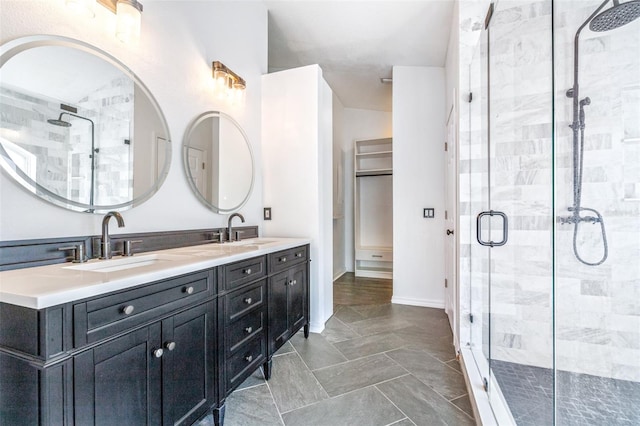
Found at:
(373, 365)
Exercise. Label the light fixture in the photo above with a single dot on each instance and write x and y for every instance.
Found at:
(227, 82)
(128, 15)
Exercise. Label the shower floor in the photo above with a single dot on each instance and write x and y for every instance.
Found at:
(582, 399)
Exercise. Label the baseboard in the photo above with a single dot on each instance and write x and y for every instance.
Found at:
(339, 274)
(418, 302)
(316, 327)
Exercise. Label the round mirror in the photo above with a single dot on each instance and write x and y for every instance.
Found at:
(218, 162)
(77, 127)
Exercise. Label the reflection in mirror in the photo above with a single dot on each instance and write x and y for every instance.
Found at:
(77, 128)
(218, 162)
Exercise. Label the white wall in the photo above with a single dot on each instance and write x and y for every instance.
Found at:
(173, 58)
(339, 186)
(418, 182)
(297, 159)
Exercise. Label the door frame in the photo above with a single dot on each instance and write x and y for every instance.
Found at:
(451, 299)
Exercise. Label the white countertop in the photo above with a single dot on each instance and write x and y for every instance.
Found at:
(51, 285)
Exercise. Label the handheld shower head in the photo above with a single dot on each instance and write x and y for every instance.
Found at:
(616, 16)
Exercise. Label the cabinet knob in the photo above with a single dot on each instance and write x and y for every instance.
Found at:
(127, 310)
(248, 358)
(294, 282)
(188, 290)
(298, 254)
(158, 352)
(170, 345)
(248, 330)
(247, 271)
(283, 259)
(248, 300)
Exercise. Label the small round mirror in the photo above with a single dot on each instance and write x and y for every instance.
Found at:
(218, 162)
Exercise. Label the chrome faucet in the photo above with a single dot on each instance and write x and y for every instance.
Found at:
(106, 242)
(230, 228)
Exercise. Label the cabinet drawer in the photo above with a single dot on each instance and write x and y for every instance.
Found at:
(242, 330)
(241, 364)
(382, 255)
(282, 260)
(245, 271)
(105, 316)
(242, 301)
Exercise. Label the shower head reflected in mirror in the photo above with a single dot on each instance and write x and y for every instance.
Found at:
(616, 16)
(59, 122)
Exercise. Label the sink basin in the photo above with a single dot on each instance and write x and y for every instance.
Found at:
(254, 242)
(120, 264)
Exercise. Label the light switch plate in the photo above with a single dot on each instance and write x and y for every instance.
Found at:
(267, 213)
(429, 213)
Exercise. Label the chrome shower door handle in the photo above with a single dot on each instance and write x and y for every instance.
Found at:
(505, 227)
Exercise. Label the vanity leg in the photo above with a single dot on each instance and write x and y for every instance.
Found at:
(306, 331)
(266, 367)
(218, 415)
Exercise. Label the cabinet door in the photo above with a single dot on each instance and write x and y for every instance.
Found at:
(188, 342)
(278, 315)
(118, 382)
(297, 297)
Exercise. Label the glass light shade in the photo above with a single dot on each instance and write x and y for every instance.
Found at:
(220, 78)
(128, 20)
(82, 7)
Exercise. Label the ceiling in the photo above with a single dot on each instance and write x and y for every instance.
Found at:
(357, 42)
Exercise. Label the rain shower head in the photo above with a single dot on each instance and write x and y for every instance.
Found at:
(59, 122)
(616, 16)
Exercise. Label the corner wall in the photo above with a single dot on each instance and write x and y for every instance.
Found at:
(418, 182)
(173, 58)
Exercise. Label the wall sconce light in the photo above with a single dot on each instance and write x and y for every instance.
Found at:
(128, 15)
(228, 82)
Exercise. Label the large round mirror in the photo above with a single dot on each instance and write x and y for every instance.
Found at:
(218, 162)
(77, 128)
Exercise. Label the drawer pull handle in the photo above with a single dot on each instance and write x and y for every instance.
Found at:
(188, 290)
(158, 352)
(248, 300)
(248, 330)
(282, 259)
(127, 310)
(247, 271)
(170, 345)
(294, 282)
(248, 358)
(376, 255)
(298, 254)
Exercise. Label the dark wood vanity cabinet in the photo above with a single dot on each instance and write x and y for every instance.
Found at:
(161, 353)
(161, 374)
(288, 298)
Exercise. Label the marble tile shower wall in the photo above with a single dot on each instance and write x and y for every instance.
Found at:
(66, 150)
(597, 308)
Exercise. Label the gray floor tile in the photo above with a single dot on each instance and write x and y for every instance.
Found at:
(403, 422)
(316, 352)
(440, 347)
(337, 331)
(431, 372)
(257, 378)
(464, 404)
(371, 326)
(364, 407)
(455, 364)
(292, 383)
(250, 407)
(347, 315)
(284, 349)
(369, 345)
(357, 374)
(422, 404)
